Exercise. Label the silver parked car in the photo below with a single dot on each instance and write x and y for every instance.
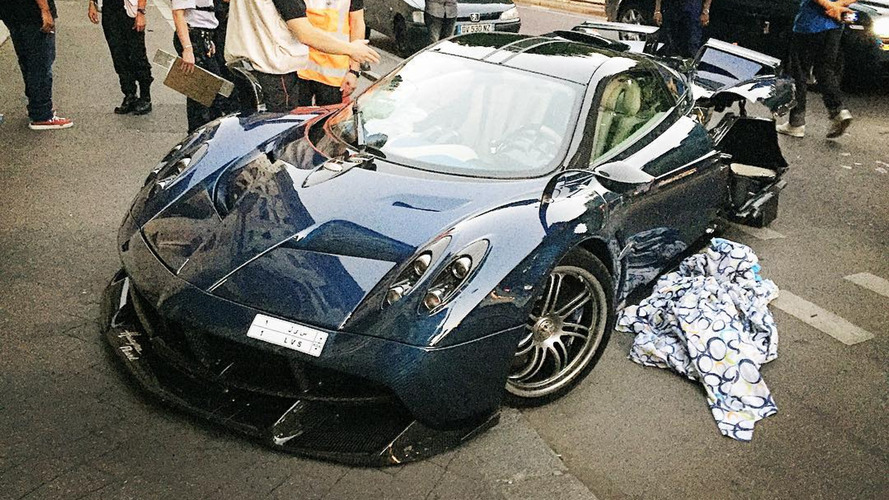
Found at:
(402, 20)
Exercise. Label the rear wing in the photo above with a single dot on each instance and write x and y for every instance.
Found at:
(639, 38)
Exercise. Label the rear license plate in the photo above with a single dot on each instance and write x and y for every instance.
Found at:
(462, 29)
(286, 334)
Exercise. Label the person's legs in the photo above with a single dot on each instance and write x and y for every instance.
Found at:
(325, 95)
(36, 52)
(279, 92)
(433, 25)
(825, 70)
(692, 27)
(306, 94)
(139, 67)
(447, 27)
(115, 27)
(800, 64)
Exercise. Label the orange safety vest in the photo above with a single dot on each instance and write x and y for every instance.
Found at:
(331, 16)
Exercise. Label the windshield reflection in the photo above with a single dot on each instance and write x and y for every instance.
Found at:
(455, 115)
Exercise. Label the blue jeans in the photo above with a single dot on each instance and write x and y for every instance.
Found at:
(36, 51)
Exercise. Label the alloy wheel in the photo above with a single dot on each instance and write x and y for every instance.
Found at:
(562, 335)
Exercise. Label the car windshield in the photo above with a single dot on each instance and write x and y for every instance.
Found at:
(456, 115)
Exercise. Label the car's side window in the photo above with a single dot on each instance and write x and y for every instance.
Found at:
(630, 104)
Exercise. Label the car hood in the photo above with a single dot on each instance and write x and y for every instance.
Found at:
(299, 242)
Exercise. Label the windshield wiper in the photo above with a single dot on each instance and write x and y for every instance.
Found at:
(360, 139)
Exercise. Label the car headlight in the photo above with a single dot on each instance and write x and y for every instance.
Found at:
(452, 277)
(411, 274)
(417, 16)
(509, 14)
(881, 27)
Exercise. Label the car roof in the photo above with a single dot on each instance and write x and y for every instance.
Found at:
(548, 55)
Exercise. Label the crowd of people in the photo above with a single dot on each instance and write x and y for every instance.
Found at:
(305, 52)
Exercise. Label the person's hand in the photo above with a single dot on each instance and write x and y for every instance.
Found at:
(187, 65)
(350, 83)
(48, 23)
(836, 11)
(658, 17)
(362, 53)
(93, 13)
(705, 18)
(139, 23)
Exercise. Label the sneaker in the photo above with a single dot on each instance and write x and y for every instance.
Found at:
(142, 107)
(126, 106)
(54, 123)
(788, 129)
(839, 124)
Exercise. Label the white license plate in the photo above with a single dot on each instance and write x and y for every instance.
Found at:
(286, 334)
(462, 29)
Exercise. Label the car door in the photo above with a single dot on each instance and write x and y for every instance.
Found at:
(678, 181)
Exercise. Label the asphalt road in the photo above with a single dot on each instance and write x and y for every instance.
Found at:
(72, 426)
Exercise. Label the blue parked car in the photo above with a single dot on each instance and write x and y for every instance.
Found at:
(367, 283)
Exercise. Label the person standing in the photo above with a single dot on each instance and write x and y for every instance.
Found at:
(195, 23)
(275, 38)
(684, 21)
(123, 22)
(32, 28)
(440, 17)
(815, 45)
(328, 78)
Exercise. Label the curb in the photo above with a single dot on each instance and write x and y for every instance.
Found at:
(4, 33)
(587, 7)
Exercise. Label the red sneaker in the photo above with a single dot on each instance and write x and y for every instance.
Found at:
(54, 123)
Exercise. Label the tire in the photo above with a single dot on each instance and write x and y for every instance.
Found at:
(555, 354)
(634, 12)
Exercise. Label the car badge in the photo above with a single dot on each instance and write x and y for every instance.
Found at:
(475, 17)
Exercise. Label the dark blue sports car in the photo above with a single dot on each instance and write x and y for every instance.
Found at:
(368, 283)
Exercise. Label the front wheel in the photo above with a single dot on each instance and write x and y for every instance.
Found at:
(565, 334)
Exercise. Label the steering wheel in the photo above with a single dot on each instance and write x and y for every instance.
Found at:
(531, 142)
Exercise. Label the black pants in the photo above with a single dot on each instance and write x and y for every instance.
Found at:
(36, 51)
(279, 92)
(818, 51)
(682, 23)
(127, 48)
(202, 46)
(439, 27)
(322, 94)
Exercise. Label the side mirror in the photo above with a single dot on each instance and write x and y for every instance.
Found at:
(622, 172)
(566, 178)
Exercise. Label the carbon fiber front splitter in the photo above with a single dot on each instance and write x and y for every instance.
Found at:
(354, 431)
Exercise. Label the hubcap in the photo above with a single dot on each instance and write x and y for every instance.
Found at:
(562, 334)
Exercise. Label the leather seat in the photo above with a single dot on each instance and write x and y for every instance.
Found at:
(617, 120)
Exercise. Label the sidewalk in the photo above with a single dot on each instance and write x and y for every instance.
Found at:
(73, 426)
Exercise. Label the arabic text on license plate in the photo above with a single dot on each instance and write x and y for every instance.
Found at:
(475, 28)
(286, 334)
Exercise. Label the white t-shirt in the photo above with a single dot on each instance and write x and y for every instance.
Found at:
(196, 18)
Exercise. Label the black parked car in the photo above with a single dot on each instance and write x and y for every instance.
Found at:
(403, 20)
(765, 26)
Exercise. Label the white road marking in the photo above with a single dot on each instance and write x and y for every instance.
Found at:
(871, 282)
(166, 12)
(821, 319)
(760, 233)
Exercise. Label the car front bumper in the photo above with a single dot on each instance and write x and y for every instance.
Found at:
(365, 400)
